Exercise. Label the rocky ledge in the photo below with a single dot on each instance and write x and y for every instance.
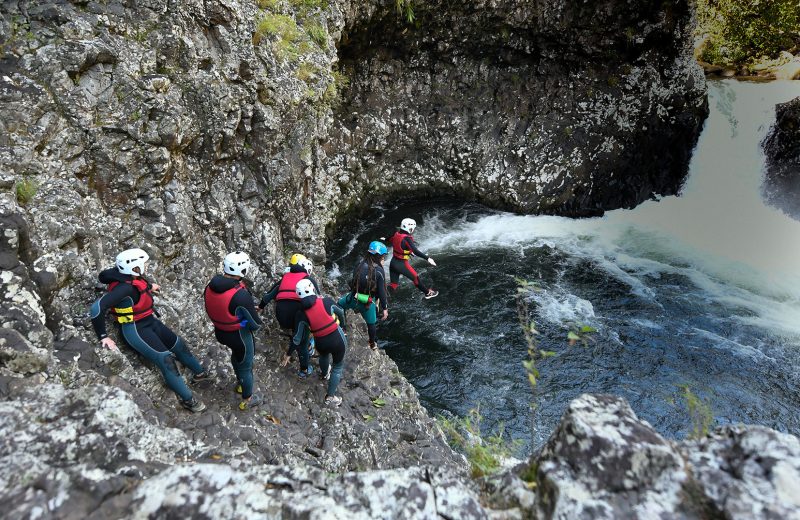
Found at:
(91, 453)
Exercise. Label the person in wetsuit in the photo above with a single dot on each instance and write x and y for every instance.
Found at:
(130, 298)
(403, 247)
(230, 307)
(367, 285)
(287, 303)
(325, 320)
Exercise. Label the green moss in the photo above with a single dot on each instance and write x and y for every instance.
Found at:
(307, 71)
(279, 26)
(268, 4)
(316, 31)
(735, 32)
(26, 189)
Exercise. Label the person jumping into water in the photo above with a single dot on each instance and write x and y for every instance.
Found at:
(403, 247)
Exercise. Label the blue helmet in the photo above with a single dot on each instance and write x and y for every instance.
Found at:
(377, 248)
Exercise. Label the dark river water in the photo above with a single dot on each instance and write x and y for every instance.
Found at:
(699, 290)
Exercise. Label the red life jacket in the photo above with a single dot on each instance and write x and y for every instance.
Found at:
(218, 307)
(288, 283)
(321, 322)
(397, 246)
(142, 309)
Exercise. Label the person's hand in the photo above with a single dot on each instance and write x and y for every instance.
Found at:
(385, 314)
(156, 288)
(430, 261)
(109, 344)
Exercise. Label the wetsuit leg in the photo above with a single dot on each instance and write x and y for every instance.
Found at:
(143, 338)
(403, 267)
(394, 273)
(370, 315)
(302, 355)
(332, 346)
(285, 311)
(243, 366)
(242, 354)
(177, 346)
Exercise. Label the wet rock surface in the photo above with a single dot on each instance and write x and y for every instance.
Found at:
(782, 149)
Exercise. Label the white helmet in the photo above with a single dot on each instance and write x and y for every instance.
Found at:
(408, 225)
(130, 259)
(304, 288)
(236, 264)
(306, 264)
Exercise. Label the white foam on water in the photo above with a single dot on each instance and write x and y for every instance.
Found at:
(719, 233)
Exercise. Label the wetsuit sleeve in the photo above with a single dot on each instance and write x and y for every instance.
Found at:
(409, 241)
(242, 303)
(339, 312)
(332, 308)
(380, 281)
(111, 299)
(269, 295)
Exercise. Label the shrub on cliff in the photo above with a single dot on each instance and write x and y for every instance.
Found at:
(734, 32)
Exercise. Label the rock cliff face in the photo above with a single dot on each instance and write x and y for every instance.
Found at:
(191, 128)
(782, 150)
(554, 107)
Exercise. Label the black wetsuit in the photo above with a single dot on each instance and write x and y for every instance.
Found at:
(239, 341)
(331, 346)
(400, 266)
(148, 336)
(285, 310)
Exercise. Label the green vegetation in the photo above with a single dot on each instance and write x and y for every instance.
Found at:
(277, 25)
(26, 189)
(333, 93)
(405, 9)
(485, 454)
(699, 413)
(316, 31)
(737, 33)
(268, 4)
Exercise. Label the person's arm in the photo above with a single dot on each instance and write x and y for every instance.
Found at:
(98, 310)
(409, 242)
(339, 312)
(269, 295)
(242, 302)
(380, 281)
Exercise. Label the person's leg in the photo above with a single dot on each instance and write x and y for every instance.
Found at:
(143, 338)
(337, 353)
(394, 273)
(177, 347)
(411, 274)
(243, 364)
(370, 315)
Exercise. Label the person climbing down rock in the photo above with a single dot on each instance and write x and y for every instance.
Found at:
(130, 298)
(287, 303)
(367, 285)
(230, 307)
(325, 320)
(403, 247)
